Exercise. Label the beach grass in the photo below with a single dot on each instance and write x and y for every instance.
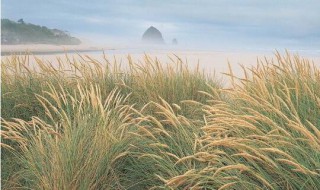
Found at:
(86, 124)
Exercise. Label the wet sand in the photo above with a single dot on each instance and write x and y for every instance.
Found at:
(44, 49)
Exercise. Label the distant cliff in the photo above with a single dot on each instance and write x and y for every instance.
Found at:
(26, 33)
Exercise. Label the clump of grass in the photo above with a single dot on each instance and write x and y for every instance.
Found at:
(84, 146)
(25, 76)
(174, 82)
(162, 139)
(266, 136)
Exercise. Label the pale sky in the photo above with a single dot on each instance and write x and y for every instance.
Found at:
(216, 23)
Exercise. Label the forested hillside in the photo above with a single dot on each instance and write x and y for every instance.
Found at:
(25, 33)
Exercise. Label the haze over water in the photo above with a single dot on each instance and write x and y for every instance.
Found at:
(207, 25)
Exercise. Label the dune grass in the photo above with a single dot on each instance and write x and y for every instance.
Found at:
(85, 124)
(266, 136)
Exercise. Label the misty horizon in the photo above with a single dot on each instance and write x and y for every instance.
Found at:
(206, 24)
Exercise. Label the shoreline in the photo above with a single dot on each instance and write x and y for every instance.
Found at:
(46, 49)
(54, 52)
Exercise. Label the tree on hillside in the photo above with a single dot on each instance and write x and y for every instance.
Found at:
(21, 21)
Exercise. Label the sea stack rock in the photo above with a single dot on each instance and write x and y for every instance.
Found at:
(174, 41)
(152, 36)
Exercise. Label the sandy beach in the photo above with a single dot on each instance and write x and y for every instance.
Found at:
(211, 62)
